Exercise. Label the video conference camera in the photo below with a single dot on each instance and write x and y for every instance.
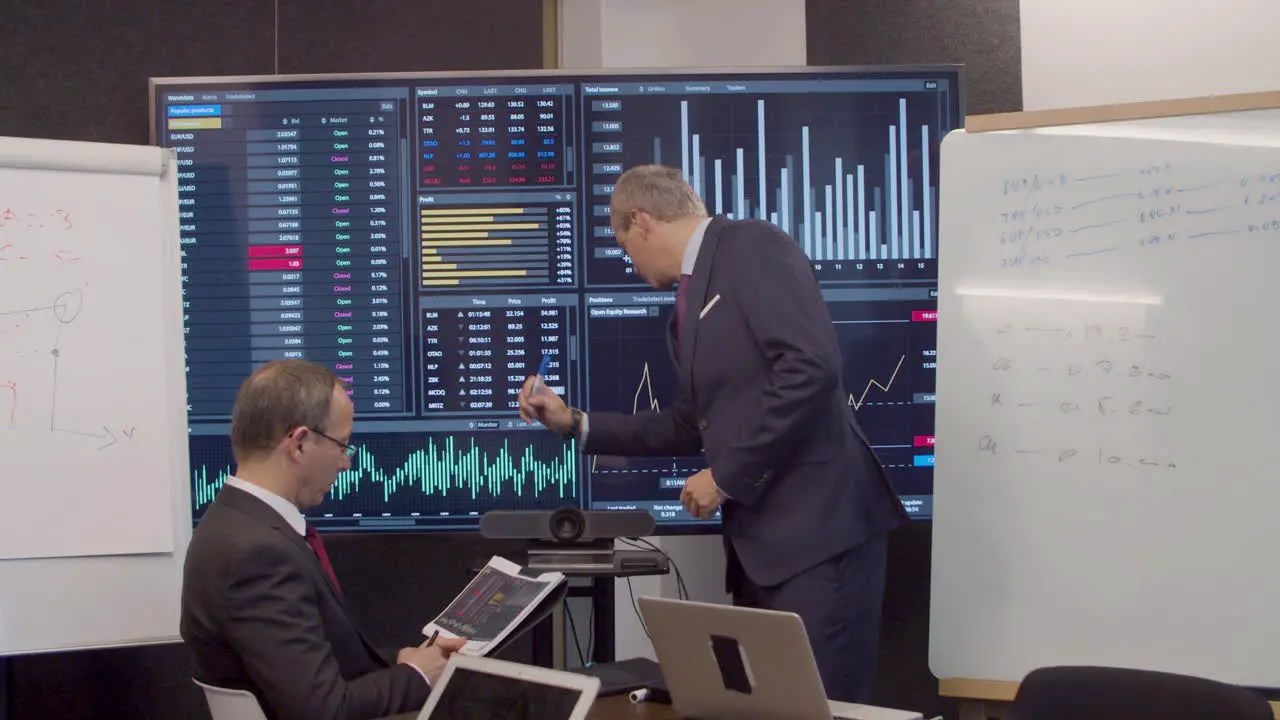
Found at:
(566, 525)
(579, 542)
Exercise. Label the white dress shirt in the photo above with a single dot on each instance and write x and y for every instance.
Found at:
(287, 510)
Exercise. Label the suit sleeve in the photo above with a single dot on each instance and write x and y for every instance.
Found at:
(787, 319)
(276, 630)
(669, 431)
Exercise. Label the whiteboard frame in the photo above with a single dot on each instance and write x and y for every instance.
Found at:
(977, 690)
(148, 574)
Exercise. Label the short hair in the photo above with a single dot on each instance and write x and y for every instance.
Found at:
(278, 397)
(658, 190)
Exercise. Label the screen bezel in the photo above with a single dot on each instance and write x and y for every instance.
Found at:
(158, 84)
(587, 686)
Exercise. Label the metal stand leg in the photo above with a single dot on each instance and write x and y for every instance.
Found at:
(602, 626)
(4, 689)
(544, 645)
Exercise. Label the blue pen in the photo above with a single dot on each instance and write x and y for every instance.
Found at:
(542, 372)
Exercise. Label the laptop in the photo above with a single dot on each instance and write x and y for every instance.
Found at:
(481, 688)
(721, 662)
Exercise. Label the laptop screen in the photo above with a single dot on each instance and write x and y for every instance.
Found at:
(472, 695)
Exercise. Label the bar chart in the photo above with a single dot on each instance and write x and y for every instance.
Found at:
(498, 244)
(850, 174)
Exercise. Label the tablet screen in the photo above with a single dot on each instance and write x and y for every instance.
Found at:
(473, 695)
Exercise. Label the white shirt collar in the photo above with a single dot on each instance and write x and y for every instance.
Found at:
(695, 244)
(287, 510)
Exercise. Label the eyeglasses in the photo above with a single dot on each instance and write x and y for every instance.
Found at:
(346, 448)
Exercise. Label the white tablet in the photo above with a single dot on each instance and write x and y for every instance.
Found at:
(478, 688)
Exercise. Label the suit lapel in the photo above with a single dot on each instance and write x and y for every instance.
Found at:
(247, 503)
(695, 298)
(254, 507)
(673, 342)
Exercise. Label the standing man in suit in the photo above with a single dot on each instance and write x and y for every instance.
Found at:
(806, 505)
(261, 607)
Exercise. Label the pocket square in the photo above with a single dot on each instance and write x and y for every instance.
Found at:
(707, 308)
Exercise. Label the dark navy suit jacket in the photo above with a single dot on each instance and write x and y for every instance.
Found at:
(761, 394)
(259, 614)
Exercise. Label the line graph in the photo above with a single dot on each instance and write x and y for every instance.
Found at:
(645, 401)
(645, 388)
(631, 370)
(889, 357)
(858, 400)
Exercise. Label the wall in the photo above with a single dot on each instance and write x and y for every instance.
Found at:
(682, 33)
(982, 34)
(1088, 52)
(67, 71)
(71, 70)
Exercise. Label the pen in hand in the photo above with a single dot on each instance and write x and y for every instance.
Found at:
(540, 378)
(431, 640)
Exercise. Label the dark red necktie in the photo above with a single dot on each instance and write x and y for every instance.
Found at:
(680, 292)
(317, 546)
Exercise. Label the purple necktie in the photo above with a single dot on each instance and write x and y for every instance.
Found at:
(684, 284)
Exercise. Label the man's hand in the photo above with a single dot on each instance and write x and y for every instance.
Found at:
(431, 660)
(538, 402)
(700, 496)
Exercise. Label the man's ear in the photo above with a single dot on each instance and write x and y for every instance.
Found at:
(641, 221)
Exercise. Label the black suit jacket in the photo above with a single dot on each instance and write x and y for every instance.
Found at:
(761, 394)
(260, 614)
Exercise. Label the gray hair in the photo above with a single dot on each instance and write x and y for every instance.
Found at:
(658, 190)
(278, 397)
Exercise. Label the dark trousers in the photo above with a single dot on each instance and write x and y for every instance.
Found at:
(840, 603)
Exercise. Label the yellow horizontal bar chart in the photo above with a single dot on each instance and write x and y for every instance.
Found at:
(442, 212)
(488, 242)
(428, 275)
(456, 236)
(473, 227)
(494, 244)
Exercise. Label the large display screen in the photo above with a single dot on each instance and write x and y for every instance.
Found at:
(434, 238)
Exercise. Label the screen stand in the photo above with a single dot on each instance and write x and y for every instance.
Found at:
(4, 688)
(599, 563)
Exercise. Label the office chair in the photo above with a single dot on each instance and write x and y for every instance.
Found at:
(1103, 693)
(228, 704)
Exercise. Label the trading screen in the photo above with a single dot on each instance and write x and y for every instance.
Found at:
(434, 239)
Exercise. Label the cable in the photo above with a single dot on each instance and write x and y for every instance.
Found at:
(682, 591)
(631, 591)
(573, 629)
(591, 635)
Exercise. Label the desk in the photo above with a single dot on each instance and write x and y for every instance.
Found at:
(614, 707)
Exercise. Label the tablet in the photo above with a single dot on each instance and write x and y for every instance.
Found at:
(479, 688)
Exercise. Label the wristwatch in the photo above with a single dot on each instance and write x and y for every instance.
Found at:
(575, 423)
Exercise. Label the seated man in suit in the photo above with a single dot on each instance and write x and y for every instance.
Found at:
(261, 607)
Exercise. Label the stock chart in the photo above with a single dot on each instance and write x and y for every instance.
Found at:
(436, 238)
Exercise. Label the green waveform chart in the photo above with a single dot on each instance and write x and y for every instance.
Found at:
(435, 475)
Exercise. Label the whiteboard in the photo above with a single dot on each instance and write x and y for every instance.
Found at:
(1107, 389)
(96, 513)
